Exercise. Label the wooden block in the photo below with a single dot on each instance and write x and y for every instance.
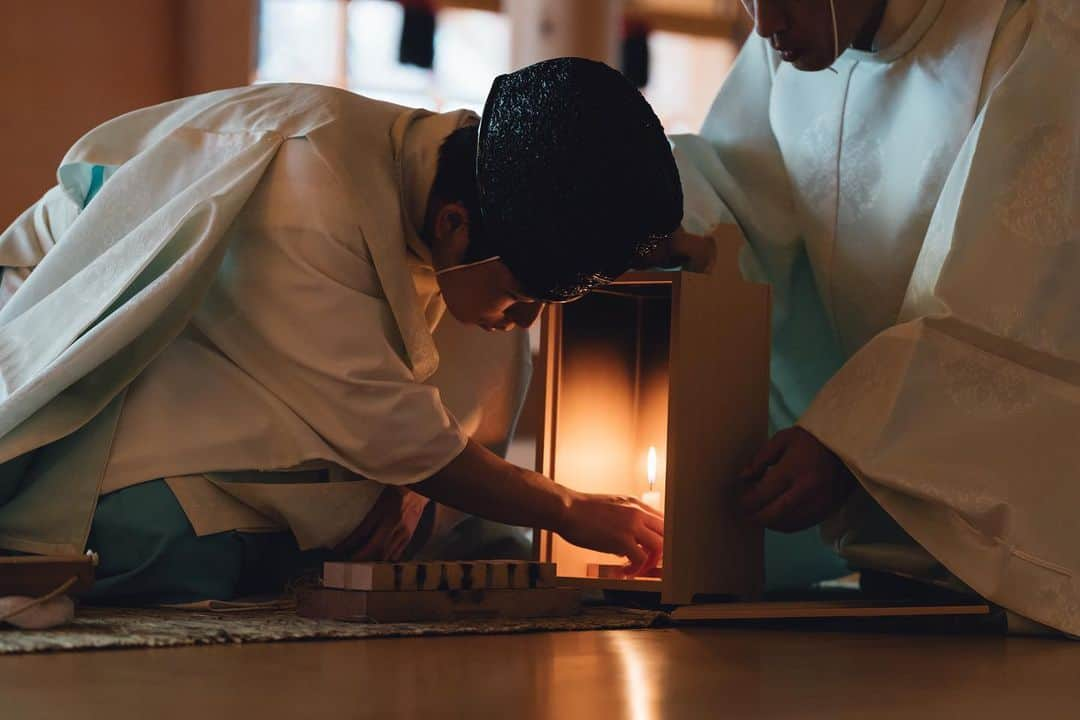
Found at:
(406, 606)
(458, 575)
(35, 575)
(429, 576)
(439, 576)
(384, 577)
(518, 574)
(777, 610)
(369, 576)
(615, 572)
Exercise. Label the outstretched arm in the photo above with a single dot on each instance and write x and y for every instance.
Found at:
(481, 483)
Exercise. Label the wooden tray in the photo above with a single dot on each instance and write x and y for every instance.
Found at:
(34, 575)
(792, 610)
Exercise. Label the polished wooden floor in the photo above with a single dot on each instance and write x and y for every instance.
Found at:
(695, 673)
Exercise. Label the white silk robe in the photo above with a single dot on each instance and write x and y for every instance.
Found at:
(918, 214)
(229, 291)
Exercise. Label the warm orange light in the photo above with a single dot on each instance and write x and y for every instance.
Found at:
(651, 466)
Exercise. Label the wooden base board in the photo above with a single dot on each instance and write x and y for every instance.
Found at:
(615, 572)
(422, 606)
(653, 585)
(778, 610)
(35, 575)
(438, 575)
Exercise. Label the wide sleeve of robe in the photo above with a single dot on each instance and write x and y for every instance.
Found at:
(26, 242)
(299, 308)
(961, 420)
(734, 172)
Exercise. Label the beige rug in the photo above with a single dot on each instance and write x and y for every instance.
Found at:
(112, 628)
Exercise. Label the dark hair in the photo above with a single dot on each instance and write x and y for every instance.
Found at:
(455, 181)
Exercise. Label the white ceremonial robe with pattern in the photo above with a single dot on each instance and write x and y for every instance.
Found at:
(918, 214)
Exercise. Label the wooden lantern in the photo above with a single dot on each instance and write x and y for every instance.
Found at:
(663, 374)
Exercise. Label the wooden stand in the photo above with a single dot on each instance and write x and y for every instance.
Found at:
(676, 361)
(615, 572)
(815, 609)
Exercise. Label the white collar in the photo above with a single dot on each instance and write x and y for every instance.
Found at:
(905, 23)
(899, 15)
(418, 140)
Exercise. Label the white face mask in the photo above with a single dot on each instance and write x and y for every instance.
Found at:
(751, 7)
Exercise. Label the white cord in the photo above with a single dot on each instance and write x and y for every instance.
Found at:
(835, 32)
(467, 265)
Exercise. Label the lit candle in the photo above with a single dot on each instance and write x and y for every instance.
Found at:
(652, 497)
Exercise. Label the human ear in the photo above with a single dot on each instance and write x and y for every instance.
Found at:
(451, 233)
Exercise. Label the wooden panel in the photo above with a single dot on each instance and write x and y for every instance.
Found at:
(820, 609)
(638, 585)
(717, 419)
(329, 604)
(544, 372)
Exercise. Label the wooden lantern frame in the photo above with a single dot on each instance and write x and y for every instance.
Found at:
(717, 417)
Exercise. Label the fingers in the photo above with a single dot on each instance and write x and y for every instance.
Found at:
(654, 546)
(656, 524)
(644, 551)
(638, 558)
(788, 513)
(770, 454)
(653, 518)
(774, 483)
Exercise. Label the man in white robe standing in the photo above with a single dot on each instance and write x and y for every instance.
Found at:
(219, 332)
(907, 177)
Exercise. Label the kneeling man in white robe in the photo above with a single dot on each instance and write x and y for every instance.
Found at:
(219, 332)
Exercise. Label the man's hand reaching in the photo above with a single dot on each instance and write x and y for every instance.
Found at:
(617, 525)
(794, 483)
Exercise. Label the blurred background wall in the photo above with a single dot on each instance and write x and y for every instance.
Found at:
(68, 65)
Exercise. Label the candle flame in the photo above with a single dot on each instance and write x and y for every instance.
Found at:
(651, 466)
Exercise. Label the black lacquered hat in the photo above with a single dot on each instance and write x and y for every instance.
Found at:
(576, 177)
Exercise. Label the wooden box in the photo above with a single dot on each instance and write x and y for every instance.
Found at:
(664, 373)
